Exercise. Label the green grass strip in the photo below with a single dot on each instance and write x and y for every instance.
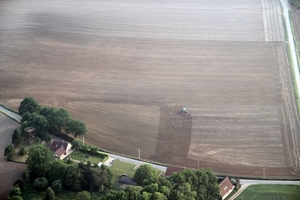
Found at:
(268, 192)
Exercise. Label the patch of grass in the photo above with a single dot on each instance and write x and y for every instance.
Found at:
(80, 155)
(21, 159)
(266, 192)
(119, 168)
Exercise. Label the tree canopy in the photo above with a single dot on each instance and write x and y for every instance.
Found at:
(145, 175)
(29, 105)
(39, 159)
(9, 151)
(48, 120)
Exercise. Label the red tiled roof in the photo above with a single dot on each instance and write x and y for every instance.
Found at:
(172, 168)
(226, 187)
(55, 145)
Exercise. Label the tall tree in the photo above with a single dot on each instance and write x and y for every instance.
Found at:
(183, 191)
(38, 160)
(56, 186)
(9, 151)
(76, 128)
(76, 144)
(16, 137)
(202, 181)
(57, 170)
(37, 121)
(73, 177)
(145, 175)
(29, 105)
(57, 119)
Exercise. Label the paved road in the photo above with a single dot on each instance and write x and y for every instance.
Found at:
(253, 182)
(10, 114)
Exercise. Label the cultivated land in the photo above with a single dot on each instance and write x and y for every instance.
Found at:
(9, 171)
(127, 69)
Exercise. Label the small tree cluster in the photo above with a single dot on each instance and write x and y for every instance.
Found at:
(48, 120)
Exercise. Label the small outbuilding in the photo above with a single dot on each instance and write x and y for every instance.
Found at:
(127, 181)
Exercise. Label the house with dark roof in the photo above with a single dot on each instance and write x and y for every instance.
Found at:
(226, 187)
(60, 148)
(173, 168)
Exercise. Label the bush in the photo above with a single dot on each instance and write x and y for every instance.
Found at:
(22, 151)
(83, 195)
(20, 183)
(9, 152)
(49, 194)
(40, 184)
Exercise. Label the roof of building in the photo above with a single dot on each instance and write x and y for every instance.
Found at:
(55, 145)
(172, 168)
(60, 151)
(127, 180)
(225, 187)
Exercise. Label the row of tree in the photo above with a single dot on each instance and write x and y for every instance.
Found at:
(48, 120)
(47, 174)
(188, 184)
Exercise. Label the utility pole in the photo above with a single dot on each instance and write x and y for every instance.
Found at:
(198, 163)
(139, 153)
(82, 139)
(264, 173)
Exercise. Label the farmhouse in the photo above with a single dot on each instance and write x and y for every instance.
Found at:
(60, 149)
(226, 187)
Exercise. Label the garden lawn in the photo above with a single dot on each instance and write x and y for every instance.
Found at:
(119, 168)
(270, 192)
(80, 156)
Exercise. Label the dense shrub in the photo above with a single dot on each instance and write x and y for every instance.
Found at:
(56, 186)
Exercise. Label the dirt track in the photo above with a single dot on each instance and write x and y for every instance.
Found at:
(119, 80)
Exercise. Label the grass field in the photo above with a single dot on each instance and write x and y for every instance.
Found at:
(271, 192)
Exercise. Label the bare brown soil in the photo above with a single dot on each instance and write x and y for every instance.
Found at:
(9, 171)
(129, 90)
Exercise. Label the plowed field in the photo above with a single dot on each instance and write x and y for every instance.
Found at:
(127, 69)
